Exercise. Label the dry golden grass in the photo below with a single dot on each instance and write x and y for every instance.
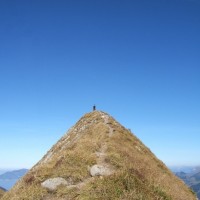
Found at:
(138, 174)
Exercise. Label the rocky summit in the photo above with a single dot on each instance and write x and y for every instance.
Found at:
(99, 159)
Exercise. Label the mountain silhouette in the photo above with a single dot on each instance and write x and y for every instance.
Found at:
(100, 159)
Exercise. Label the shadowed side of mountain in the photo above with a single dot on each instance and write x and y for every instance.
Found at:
(2, 192)
(99, 159)
(192, 180)
(196, 188)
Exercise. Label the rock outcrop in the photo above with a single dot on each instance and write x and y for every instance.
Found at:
(53, 183)
(100, 170)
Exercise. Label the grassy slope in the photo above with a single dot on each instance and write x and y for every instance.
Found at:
(138, 174)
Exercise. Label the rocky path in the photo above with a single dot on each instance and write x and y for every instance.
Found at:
(101, 168)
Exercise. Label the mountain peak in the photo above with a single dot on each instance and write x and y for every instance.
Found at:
(87, 122)
(98, 158)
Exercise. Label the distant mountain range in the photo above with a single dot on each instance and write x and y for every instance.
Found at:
(8, 179)
(2, 171)
(185, 169)
(192, 179)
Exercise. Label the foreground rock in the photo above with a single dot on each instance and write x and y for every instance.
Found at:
(53, 183)
(100, 170)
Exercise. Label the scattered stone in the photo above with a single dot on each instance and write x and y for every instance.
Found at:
(53, 183)
(100, 170)
(138, 148)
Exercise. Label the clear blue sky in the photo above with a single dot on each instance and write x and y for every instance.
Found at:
(138, 60)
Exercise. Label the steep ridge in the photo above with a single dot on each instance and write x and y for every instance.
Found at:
(99, 159)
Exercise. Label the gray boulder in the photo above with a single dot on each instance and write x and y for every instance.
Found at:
(100, 170)
(53, 183)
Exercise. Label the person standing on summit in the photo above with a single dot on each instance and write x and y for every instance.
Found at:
(94, 108)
